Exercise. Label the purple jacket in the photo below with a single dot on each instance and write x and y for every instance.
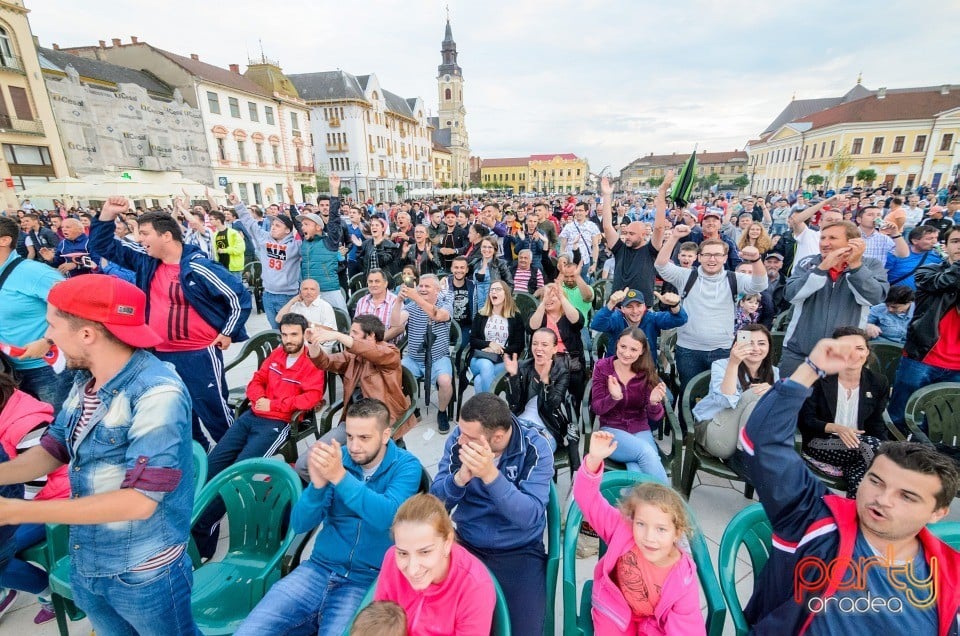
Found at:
(677, 611)
(634, 412)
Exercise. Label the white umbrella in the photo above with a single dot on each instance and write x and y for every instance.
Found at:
(476, 191)
(64, 187)
(118, 186)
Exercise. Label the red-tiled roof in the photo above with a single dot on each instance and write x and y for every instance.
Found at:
(506, 162)
(895, 106)
(702, 158)
(215, 74)
(566, 156)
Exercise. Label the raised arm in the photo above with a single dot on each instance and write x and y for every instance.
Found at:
(610, 235)
(660, 217)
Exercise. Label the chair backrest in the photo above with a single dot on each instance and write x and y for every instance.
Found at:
(601, 343)
(782, 319)
(455, 336)
(611, 487)
(697, 389)
(599, 293)
(343, 320)
(948, 532)
(356, 282)
(258, 494)
(200, 468)
(425, 481)
(354, 299)
(526, 305)
(748, 529)
(885, 359)
(254, 271)
(939, 406)
(553, 557)
(260, 345)
(410, 386)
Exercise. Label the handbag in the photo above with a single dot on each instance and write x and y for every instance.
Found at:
(495, 358)
(719, 436)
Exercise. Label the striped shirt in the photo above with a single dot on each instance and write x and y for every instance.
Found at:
(91, 402)
(383, 311)
(878, 246)
(521, 280)
(417, 327)
(161, 559)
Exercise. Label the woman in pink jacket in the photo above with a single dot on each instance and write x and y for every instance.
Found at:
(442, 588)
(22, 420)
(646, 583)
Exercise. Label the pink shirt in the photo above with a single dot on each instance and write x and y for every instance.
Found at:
(172, 317)
(461, 604)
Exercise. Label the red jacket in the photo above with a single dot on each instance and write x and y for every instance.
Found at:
(298, 388)
(23, 414)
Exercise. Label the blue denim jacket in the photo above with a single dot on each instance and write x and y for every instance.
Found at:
(139, 437)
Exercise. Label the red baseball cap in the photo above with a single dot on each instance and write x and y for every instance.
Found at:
(116, 304)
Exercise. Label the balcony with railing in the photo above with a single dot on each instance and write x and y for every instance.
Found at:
(28, 126)
(334, 122)
(11, 63)
(338, 147)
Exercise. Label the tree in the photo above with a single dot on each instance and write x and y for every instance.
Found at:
(345, 191)
(867, 175)
(323, 182)
(399, 189)
(814, 180)
(309, 189)
(741, 182)
(654, 182)
(838, 166)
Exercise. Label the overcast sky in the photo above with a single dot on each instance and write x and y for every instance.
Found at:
(608, 80)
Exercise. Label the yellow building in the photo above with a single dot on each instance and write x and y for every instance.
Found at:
(646, 172)
(28, 129)
(504, 173)
(909, 137)
(557, 173)
(442, 166)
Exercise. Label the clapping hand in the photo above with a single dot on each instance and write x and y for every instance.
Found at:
(613, 386)
(510, 364)
(658, 393)
(325, 464)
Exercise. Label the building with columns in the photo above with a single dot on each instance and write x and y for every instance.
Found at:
(258, 137)
(908, 136)
(450, 125)
(375, 140)
(32, 152)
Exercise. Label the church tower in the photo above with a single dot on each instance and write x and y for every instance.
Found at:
(452, 114)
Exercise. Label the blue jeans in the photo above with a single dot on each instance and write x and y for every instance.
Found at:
(912, 375)
(20, 575)
(153, 603)
(250, 436)
(46, 385)
(690, 362)
(309, 600)
(484, 371)
(272, 304)
(638, 451)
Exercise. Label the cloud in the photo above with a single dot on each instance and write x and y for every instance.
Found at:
(606, 79)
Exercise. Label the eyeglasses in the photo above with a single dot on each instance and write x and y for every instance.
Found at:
(703, 256)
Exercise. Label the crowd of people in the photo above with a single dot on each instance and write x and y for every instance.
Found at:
(114, 322)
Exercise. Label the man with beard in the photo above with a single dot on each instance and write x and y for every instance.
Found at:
(634, 258)
(123, 434)
(460, 289)
(353, 495)
(286, 382)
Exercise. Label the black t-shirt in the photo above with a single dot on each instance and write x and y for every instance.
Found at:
(634, 268)
(943, 225)
(221, 242)
(461, 305)
(570, 335)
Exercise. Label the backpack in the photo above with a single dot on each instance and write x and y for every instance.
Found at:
(695, 273)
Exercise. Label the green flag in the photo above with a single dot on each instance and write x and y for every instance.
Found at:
(683, 185)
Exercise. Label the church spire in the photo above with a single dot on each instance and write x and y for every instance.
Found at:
(448, 52)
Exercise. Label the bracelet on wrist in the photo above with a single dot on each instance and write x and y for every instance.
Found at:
(896, 236)
(756, 260)
(820, 372)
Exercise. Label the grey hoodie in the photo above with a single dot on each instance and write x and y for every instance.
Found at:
(279, 260)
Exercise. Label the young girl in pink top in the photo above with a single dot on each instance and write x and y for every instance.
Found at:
(646, 583)
(442, 588)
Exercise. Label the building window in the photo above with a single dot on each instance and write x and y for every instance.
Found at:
(221, 149)
(6, 49)
(242, 151)
(946, 142)
(877, 145)
(26, 155)
(833, 145)
(857, 146)
(898, 143)
(21, 103)
(446, 94)
(276, 156)
(348, 163)
(920, 146)
(294, 121)
(243, 191)
(268, 114)
(213, 102)
(257, 194)
(258, 148)
(823, 149)
(234, 107)
(254, 115)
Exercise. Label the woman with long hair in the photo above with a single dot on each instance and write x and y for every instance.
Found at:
(757, 236)
(442, 588)
(421, 253)
(627, 394)
(537, 392)
(485, 267)
(497, 331)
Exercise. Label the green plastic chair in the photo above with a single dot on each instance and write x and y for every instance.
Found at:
(885, 359)
(935, 408)
(259, 345)
(695, 458)
(526, 304)
(410, 389)
(259, 494)
(501, 615)
(357, 281)
(599, 294)
(553, 558)
(58, 559)
(948, 532)
(200, 469)
(577, 620)
(749, 529)
(354, 299)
